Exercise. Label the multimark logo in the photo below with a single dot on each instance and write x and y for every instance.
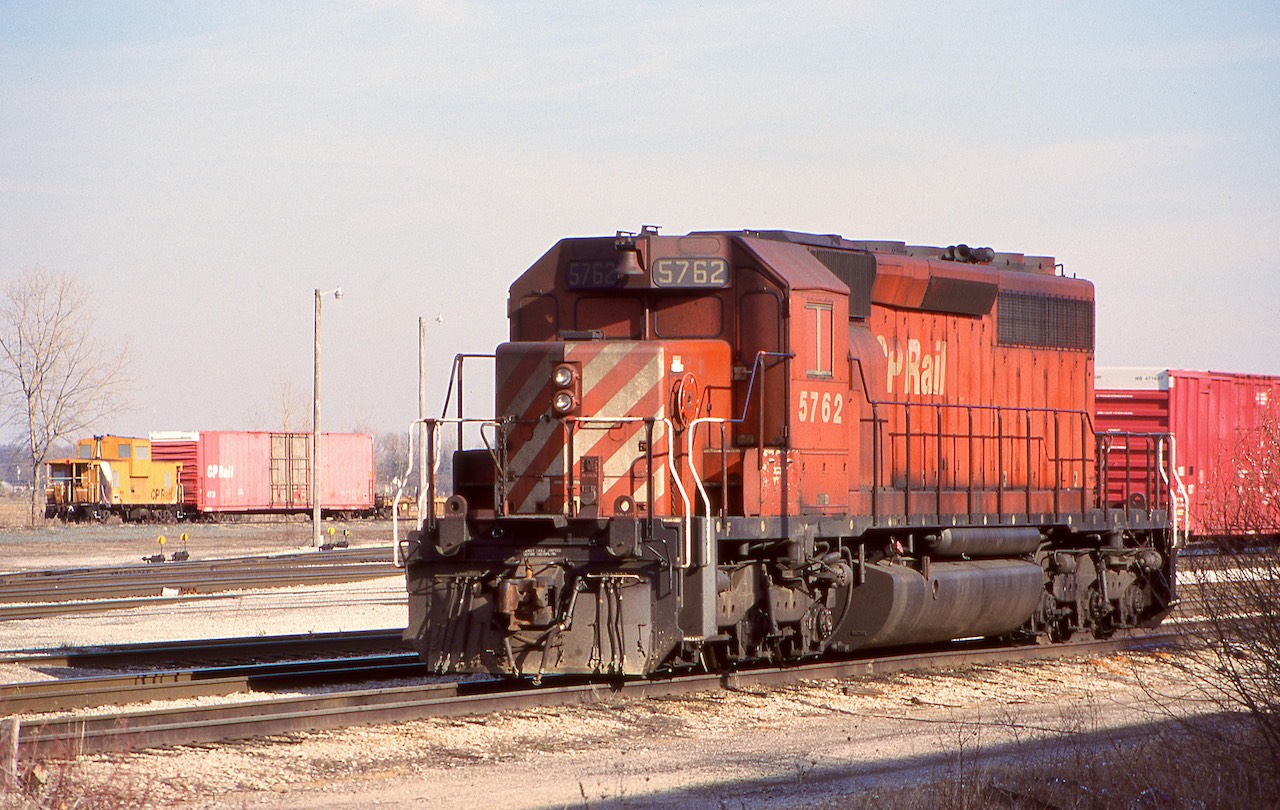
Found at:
(913, 370)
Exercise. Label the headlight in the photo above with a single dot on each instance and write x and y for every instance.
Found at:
(562, 376)
(562, 402)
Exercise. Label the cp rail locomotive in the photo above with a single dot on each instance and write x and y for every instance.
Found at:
(726, 447)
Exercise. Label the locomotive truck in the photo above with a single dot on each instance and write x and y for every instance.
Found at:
(723, 447)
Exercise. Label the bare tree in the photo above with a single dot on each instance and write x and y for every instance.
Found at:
(57, 377)
(391, 460)
(391, 457)
(289, 406)
(1237, 587)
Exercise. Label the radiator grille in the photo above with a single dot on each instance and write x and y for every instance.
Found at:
(857, 271)
(1046, 321)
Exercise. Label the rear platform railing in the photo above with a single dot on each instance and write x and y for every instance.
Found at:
(1139, 471)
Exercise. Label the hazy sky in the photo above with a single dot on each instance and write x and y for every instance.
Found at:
(203, 167)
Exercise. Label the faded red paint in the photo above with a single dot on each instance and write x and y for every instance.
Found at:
(911, 402)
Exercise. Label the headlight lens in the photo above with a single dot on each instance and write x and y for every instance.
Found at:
(562, 376)
(562, 402)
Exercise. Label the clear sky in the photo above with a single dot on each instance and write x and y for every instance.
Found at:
(203, 167)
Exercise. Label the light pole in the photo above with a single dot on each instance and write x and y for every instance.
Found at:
(315, 424)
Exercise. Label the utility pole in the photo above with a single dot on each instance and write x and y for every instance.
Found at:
(315, 424)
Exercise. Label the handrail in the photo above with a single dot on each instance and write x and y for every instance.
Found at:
(1162, 485)
(692, 428)
(1176, 490)
(884, 460)
(697, 478)
(424, 513)
(886, 426)
(455, 375)
(400, 481)
(677, 483)
(881, 462)
(751, 384)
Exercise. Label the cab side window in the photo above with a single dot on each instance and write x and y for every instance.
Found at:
(821, 331)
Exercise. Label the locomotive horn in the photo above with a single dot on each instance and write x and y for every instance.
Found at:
(963, 254)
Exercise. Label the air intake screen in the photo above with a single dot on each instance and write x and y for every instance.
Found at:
(1047, 321)
(857, 271)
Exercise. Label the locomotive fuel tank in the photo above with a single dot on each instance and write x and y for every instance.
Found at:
(897, 604)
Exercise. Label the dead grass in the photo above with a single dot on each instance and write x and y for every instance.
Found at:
(61, 784)
(1176, 769)
(15, 512)
(1180, 768)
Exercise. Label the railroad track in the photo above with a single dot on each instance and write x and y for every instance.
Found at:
(367, 655)
(113, 690)
(199, 652)
(70, 736)
(31, 594)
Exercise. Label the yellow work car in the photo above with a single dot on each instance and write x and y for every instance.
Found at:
(113, 475)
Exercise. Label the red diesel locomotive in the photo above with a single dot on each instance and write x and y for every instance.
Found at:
(765, 445)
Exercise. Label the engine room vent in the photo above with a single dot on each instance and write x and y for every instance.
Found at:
(1046, 321)
(857, 271)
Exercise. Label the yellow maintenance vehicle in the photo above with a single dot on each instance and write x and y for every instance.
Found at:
(113, 475)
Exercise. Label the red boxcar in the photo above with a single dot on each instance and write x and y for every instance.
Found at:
(1219, 422)
(257, 472)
